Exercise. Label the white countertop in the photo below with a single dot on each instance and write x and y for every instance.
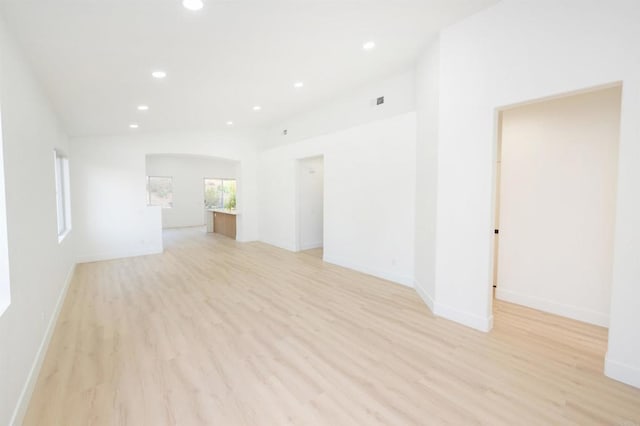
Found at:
(225, 211)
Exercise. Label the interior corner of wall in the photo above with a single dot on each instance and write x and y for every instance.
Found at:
(426, 297)
(622, 372)
(484, 324)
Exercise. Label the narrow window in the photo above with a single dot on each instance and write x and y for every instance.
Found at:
(160, 191)
(63, 200)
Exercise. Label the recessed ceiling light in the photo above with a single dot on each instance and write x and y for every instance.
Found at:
(369, 45)
(134, 125)
(143, 107)
(229, 123)
(158, 74)
(193, 4)
(298, 84)
(257, 108)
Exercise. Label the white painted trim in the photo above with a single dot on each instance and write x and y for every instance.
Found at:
(569, 311)
(281, 244)
(426, 297)
(4, 304)
(311, 246)
(622, 372)
(25, 396)
(452, 314)
(465, 318)
(380, 273)
(242, 240)
(64, 234)
(118, 255)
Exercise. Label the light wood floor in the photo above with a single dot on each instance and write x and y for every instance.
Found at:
(316, 252)
(214, 332)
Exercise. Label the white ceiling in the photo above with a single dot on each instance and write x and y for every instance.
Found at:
(94, 57)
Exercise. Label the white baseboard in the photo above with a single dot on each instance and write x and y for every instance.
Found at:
(465, 318)
(447, 312)
(291, 246)
(426, 297)
(287, 245)
(569, 311)
(118, 255)
(242, 240)
(622, 372)
(387, 275)
(25, 396)
(390, 276)
(310, 246)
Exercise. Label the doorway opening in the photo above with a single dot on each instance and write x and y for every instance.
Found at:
(310, 206)
(555, 195)
(193, 191)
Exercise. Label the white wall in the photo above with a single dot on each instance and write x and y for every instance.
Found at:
(109, 183)
(557, 209)
(369, 201)
(310, 203)
(5, 283)
(188, 173)
(427, 102)
(40, 267)
(514, 52)
(354, 108)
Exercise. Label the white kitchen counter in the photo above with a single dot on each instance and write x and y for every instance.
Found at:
(225, 211)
